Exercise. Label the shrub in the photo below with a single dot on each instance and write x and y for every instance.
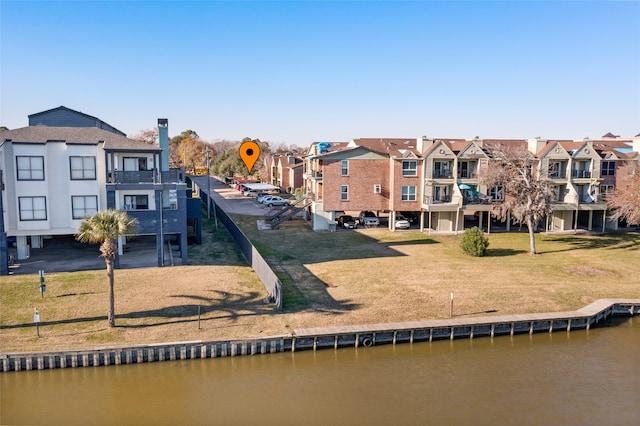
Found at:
(474, 242)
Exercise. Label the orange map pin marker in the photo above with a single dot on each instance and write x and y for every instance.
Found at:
(249, 152)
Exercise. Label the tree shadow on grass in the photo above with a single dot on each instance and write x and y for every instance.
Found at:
(228, 305)
(612, 242)
(231, 305)
(489, 311)
(503, 252)
(80, 294)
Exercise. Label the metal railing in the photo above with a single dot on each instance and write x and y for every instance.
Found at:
(442, 175)
(146, 176)
(439, 200)
(581, 174)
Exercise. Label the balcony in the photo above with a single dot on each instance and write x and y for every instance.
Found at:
(580, 174)
(437, 200)
(442, 174)
(587, 199)
(146, 176)
(467, 169)
(558, 170)
(316, 174)
(467, 174)
(558, 174)
(476, 199)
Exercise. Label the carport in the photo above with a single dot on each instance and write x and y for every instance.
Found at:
(260, 187)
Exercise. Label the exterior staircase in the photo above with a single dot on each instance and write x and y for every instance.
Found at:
(287, 212)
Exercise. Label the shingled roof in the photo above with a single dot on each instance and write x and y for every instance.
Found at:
(75, 135)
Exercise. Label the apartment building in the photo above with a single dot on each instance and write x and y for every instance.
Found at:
(67, 165)
(381, 175)
(286, 172)
(441, 180)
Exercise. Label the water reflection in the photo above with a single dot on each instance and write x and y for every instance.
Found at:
(584, 377)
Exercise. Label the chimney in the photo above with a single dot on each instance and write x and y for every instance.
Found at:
(163, 140)
(536, 144)
(423, 143)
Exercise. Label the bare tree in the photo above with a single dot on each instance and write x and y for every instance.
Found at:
(528, 193)
(149, 136)
(624, 203)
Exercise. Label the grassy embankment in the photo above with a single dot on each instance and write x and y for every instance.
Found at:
(347, 277)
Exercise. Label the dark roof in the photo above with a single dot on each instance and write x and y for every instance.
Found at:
(75, 135)
(610, 135)
(99, 123)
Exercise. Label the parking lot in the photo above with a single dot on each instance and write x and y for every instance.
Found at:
(62, 253)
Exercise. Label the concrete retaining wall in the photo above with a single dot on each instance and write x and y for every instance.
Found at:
(329, 338)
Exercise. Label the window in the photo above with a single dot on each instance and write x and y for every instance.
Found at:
(409, 168)
(497, 193)
(606, 190)
(134, 164)
(442, 169)
(84, 205)
(32, 208)
(170, 199)
(467, 169)
(136, 202)
(558, 193)
(30, 167)
(608, 168)
(82, 168)
(409, 193)
(557, 170)
(441, 194)
(344, 193)
(344, 165)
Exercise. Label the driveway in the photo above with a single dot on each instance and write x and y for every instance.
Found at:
(231, 200)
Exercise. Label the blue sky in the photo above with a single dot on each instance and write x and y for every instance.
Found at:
(297, 72)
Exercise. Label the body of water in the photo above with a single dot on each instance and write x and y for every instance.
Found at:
(582, 378)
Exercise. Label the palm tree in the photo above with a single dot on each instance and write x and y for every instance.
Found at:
(104, 227)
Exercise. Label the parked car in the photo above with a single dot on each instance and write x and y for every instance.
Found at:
(347, 222)
(412, 217)
(274, 200)
(260, 196)
(249, 193)
(368, 218)
(401, 222)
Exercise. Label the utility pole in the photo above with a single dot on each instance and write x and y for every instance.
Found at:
(208, 186)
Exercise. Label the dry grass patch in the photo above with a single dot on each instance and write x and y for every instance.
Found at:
(342, 278)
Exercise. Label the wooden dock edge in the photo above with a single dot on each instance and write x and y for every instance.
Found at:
(328, 337)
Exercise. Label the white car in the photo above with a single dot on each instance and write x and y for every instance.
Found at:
(261, 196)
(274, 200)
(402, 222)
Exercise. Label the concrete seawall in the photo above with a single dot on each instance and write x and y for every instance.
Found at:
(328, 337)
